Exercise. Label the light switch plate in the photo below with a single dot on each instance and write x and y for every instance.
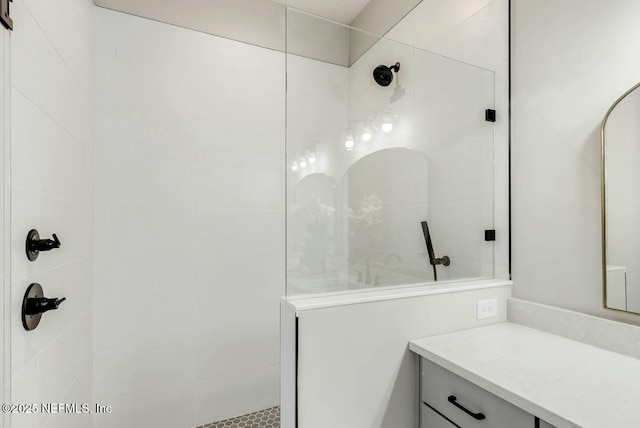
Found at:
(487, 309)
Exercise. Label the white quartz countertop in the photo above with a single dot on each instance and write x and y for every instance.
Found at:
(564, 382)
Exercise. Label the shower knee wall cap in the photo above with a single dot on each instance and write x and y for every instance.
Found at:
(383, 75)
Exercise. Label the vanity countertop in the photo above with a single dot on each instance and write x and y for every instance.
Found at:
(564, 382)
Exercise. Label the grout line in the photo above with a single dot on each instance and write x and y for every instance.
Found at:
(55, 195)
(65, 265)
(46, 36)
(59, 125)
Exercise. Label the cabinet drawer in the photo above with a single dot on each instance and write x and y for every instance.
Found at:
(437, 385)
(430, 419)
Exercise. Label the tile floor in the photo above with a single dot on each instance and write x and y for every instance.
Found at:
(268, 418)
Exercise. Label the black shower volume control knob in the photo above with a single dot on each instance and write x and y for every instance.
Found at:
(34, 244)
(34, 304)
(40, 305)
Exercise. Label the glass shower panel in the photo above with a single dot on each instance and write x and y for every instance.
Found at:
(366, 164)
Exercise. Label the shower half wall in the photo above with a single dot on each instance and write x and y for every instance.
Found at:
(189, 224)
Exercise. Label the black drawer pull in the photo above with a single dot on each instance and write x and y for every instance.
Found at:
(477, 416)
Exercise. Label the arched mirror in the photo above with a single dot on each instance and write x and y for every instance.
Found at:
(620, 138)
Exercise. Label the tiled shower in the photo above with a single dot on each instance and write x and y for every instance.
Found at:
(189, 221)
(156, 153)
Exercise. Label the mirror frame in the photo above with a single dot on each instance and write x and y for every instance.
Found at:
(603, 199)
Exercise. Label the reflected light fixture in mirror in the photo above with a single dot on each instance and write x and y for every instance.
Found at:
(302, 162)
(366, 134)
(348, 141)
(294, 166)
(367, 131)
(386, 120)
(311, 158)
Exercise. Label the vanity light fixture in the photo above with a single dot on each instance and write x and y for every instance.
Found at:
(302, 162)
(294, 166)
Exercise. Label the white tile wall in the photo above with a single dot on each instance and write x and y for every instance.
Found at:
(189, 224)
(52, 121)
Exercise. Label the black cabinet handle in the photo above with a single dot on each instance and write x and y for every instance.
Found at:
(477, 416)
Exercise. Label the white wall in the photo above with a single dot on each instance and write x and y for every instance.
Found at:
(52, 144)
(189, 224)
(354, 366)
(571, 60)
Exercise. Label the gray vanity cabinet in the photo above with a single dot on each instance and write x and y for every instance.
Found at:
(429, 418)
(447, 401)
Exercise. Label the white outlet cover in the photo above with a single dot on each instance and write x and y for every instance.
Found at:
(487, 309)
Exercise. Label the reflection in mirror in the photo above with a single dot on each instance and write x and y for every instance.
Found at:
(311, 228)
(386, 198)
(620, 137)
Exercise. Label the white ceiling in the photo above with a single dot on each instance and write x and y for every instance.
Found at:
(343, 11)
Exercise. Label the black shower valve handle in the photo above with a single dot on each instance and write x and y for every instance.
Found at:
(34, 304)
(46, 244)
(35, 244)
(40, 305)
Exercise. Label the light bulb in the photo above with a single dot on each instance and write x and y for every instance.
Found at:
(311, 158)
(294, 166)
(348, 141)
(387, 119)
(366, 134)
(302, 162)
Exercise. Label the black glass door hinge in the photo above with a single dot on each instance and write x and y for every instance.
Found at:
(5, 15)
(490, 115)
(490, 235)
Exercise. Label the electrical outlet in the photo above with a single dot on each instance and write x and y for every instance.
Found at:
(487, 309)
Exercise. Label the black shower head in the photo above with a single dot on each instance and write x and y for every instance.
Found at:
(383, 75)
